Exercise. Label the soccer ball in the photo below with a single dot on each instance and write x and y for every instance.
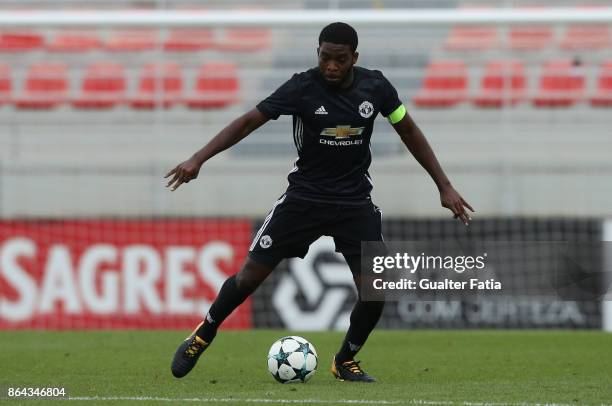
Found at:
(292, 359)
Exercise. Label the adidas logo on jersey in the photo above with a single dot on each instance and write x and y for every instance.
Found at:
(321, 110)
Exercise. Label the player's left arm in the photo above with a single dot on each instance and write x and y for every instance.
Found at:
(417, 144)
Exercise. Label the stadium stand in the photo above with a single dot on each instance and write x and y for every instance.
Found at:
(5, 84)
(562, 84)
(244, 40)
(603, 92)
(586, 37)
(103, 86)
(131, 40)
(187, 40)
(216, 86)
(562, 72)
(445, 85)
(21, 41)
(159, 84)
(74, 41)
(46, 86)
(531, 38)
(476, 47)
(503, 82)
(471, 39)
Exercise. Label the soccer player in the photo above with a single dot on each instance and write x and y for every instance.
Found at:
(333, 107)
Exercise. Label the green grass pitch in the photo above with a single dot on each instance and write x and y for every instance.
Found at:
(413, 367)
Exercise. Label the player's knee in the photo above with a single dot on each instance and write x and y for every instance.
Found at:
(245, 283)
(251, 276)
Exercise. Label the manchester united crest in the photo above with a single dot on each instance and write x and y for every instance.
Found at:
(366, 109)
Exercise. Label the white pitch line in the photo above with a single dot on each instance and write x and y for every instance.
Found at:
(236, 400)
(317, 401)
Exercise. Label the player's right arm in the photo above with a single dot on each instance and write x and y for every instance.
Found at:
(230, 135)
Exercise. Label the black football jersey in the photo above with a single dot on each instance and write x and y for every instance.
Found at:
(332, 128)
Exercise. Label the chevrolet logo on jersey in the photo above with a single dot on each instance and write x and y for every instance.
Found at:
(342, 131)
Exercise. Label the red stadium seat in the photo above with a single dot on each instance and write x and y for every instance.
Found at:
(471, 39)
(46, 86)
(586, 37)
(103, 87)
(150, 93)
(217, 86)
(603, 94)
(20, 41)
(530, 38)
(5, 84)
(131, 41)
(445, 85)
(184, 40)
(244, 40)
(74, 41)
(503, 82)
(561, 85)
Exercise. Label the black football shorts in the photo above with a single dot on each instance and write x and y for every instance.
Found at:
(293, 224)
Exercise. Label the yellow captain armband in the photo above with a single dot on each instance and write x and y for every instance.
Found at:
(397, 114)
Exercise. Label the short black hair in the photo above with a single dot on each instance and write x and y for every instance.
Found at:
(339, 33)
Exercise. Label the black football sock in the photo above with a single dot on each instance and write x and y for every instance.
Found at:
(364, 317)
(229, 298)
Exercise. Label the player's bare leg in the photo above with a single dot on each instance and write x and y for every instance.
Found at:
(233, 292)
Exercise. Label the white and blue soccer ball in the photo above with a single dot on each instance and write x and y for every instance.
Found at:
(292, 359)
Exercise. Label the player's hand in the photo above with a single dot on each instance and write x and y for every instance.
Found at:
(453, 201)
(183, 173)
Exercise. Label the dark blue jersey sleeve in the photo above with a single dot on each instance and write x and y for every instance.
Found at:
(390, 100)
(283, 101)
